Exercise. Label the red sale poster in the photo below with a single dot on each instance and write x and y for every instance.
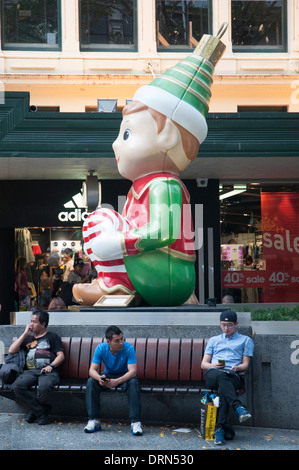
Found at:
(279, 278)
(280, 231)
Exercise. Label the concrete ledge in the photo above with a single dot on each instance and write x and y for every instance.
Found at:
(258, 306)
(137, 316)
(275, 327)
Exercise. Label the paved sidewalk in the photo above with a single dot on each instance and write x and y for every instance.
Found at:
(68, 434)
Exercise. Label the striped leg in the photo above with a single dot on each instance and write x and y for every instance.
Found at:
(102, 244)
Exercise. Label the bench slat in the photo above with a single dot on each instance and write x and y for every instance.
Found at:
(173, 361)
(74, 356)
(162, 359)
(197, 355)
(150, 359)
(140, 356)
(84, 358)
(66, 342)
(185, 361)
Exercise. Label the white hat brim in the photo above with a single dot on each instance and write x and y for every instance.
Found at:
(175, 109)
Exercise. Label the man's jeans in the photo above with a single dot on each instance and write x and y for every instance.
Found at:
(35, 401)
(93, 392)
(226, 386)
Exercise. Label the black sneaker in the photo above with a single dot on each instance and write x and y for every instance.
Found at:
(30, 417)
(42, 420)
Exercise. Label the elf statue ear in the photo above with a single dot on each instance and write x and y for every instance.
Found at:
(169, 137)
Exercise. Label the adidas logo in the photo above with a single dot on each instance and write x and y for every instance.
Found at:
(77, 212)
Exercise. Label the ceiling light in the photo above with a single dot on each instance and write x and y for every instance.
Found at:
(107, 106)
(238, 188)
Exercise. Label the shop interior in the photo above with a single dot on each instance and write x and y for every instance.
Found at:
(242, 235)
(40, 259)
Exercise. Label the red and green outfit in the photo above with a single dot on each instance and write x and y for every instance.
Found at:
(158, 247)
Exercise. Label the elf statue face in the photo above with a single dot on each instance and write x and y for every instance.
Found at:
(149, 142)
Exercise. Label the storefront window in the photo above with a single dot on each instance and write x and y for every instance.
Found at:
(48, 261)
(259, 25)
(260, 244)
(30, 24)
(180, 25)
(108, 24)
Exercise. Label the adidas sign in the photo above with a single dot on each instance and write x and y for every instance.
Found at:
(77, 213)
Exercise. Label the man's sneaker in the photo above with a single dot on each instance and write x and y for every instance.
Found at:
(93, 426)
(30, 417)
(219, 437)
(136, 429)
(43, 420)
(242, 414)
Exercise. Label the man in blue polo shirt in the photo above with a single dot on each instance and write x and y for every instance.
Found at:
(226, 356)
(120, 363)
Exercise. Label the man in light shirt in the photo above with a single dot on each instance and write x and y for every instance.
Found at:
(226, 356)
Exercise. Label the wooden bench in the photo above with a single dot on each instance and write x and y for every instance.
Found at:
(164, 365)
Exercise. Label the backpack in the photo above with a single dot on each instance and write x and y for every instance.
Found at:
(13, 366)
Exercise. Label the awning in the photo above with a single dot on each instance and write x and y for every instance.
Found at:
(239, 146)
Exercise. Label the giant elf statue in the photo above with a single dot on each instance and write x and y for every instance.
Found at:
(149, 249)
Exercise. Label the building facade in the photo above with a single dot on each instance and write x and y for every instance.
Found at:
(63, 62)
(68, 64)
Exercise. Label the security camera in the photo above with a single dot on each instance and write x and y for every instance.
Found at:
(202, 182)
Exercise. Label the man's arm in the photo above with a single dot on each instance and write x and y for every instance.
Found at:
(16, 345)
(59, 359)
(56, 363)
(132, 371)
(243, 366)
(94, 372)
(206, 363)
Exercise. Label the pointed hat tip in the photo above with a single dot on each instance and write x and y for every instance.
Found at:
(210, 47)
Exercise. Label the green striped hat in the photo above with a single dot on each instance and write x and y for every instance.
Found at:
(183, 92)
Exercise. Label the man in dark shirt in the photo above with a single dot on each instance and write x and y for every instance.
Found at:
(44, 354)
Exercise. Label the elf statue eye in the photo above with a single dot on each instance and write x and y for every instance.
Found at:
(127, 134)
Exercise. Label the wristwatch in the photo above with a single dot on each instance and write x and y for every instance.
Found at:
(53, 366)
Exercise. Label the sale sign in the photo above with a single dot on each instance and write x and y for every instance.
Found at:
(267, 280)
(280, 232)
(279, 280)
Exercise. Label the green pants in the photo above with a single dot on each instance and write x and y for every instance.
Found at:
(161, 279)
